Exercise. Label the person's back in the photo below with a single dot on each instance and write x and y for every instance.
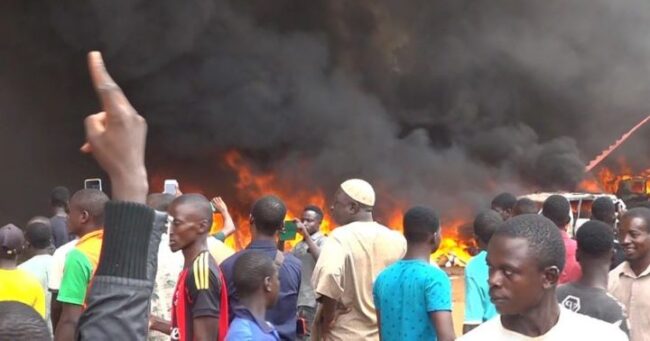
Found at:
(20, 322)
(593, 302)
(16, 284)
(405, 293)
(59, 221)
(267, 218)
(39, 236)
(557, 209)
(370, 247)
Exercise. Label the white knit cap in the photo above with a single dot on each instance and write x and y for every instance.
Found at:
(360, 191)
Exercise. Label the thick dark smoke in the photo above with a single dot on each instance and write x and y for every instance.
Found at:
(436, 102)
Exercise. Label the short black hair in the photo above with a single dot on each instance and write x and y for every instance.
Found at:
(39, 234)
(526, 206)
(198, 201)
(544, 239)
(59, 197)
(269, 212)
(486, 223)
(419, 222)
(504, 200)
(556, 208)
(314, 209)
(160, 201)
(93, 201)
(595, 238)
(20, 322)
(639, 212)
(602, 209)
(249, 272)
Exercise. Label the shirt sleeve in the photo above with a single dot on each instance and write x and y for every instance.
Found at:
(329, 271)
(56, 271)
(204, 287)
(437, 293)
(76, 276)
(474, 311)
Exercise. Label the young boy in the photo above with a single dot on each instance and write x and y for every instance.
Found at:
(412, 297)
(257, 283)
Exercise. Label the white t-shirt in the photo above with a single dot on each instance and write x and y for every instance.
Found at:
(58, 262)
(570, 326)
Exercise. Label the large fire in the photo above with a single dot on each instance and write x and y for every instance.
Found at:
(609, 180)
(251, 185)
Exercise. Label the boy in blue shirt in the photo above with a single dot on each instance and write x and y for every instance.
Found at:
(257, 283)
(478, 307)
(412, 297)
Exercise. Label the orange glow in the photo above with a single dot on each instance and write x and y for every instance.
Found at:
(251, 185)
(608, 179)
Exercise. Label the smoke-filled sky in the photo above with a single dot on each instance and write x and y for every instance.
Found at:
(443, 103)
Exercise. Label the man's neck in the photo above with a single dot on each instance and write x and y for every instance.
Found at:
(640, 265)
(88, 229)
(193, 250)
(38, 252)
(7, 264)
(421, 251)
(537, 321)
(594, 275)
(60, 211)
(256, 304)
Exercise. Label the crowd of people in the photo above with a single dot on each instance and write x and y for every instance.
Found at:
(152, 266)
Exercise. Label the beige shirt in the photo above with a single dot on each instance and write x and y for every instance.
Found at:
(348, 265)
(634, 292)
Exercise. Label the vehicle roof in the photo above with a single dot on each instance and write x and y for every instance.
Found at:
(571, 196)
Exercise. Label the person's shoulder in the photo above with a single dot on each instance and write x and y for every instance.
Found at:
(617, 271)
(240, 329)
(63, 249)
(27, 279)
(593, 327)
(489, 330)
(200, 270)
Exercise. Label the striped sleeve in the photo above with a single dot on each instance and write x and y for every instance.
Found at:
(204, 286)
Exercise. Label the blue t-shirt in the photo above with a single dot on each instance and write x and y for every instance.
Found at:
(405, 293)
(478, 307)
(245, 327)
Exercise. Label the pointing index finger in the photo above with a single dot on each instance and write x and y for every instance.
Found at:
(107, 90)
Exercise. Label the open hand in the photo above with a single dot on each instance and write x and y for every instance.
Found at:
(219, 205)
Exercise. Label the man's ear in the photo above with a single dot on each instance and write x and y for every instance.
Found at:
(354, 207)
(267, 284)
(551, 276)
(204, 227)
(85, 216)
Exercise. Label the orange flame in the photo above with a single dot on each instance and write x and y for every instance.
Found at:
(252, 184)
(609, 180)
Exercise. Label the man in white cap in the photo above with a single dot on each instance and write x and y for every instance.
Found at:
(350, 260)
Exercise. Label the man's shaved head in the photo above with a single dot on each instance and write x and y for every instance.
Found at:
(199, 204)
(91, 201)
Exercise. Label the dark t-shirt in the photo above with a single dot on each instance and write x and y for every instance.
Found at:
(593, 302)
(59, 230)
(197, 294)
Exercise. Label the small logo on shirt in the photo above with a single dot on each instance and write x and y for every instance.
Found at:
(175, 334)
(572, 303)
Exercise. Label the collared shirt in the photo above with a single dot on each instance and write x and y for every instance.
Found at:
(283, 314)
(247, 327)
(58, 263)
(572, 271)
(478, 306)
(307, 297)
(349, 262)
(634, 292)
(80, 265)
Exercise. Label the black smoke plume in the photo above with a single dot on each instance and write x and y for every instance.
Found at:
(436, 102)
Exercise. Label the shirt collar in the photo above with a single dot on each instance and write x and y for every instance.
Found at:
(95, 234)
(627, 271)
(565, 234)
(262, 244)
(243, 312)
